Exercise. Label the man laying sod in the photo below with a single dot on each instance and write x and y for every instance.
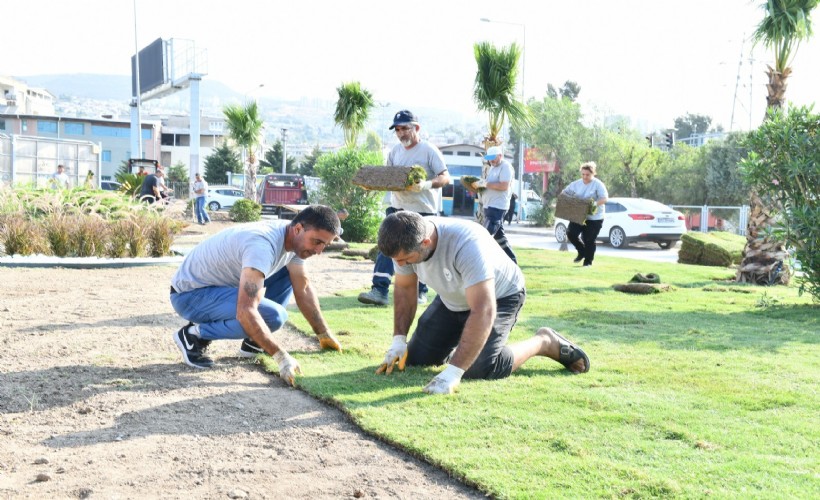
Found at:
(237, 283)
(480, 293)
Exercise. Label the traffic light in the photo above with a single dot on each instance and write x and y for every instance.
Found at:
(670, 140)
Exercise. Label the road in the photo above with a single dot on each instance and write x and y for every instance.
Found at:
(540, 237)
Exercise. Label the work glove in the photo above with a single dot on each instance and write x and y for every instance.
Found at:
(479, 184)
(420, 186)
(396, 354)
(328, 341)
(288, 367)
(446, 381)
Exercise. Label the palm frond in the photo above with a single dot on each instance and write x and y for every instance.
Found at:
(494, 90)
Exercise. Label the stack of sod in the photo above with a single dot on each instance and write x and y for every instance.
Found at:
(574, 209)
(716, 248)
(380, 178)
(467, 180)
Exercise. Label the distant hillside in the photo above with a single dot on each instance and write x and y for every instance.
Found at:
(110, 87)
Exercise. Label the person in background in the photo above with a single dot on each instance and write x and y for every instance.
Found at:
(89, 181)
(480, 294)
(59, 179)
(496, 196)
(587, 187)
(511, 212)
(151, 187)
(237, 283)
(141, 172)
(200, 188)
(423, 197)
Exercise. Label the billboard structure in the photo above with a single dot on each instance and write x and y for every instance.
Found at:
(162, 68)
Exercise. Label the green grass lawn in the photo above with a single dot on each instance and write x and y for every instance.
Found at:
(710, 389)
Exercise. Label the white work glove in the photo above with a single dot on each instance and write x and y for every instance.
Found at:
(446, 381)
(420, 186)
(396, 354)
(328, 341)
(288, 367)
(479, 184)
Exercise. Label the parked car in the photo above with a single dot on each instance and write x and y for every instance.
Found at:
(635, 219)
(222, 197)
(110, 185)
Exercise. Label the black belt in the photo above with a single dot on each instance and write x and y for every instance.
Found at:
(173, 290)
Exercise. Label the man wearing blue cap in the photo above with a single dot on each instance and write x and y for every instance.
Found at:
(496, 196)
(423, 197)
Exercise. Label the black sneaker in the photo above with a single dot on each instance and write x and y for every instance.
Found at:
(192, 349)
(578, 259)
(249, 349)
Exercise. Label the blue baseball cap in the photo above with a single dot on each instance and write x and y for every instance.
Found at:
(403, 117)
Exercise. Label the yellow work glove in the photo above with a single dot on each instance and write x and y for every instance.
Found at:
(446, 381)
(396, 354)
(328, 341)
(288, 367)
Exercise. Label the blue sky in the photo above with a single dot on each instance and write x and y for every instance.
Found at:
(651, 60)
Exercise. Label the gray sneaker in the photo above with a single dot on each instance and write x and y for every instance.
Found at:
(374, 297)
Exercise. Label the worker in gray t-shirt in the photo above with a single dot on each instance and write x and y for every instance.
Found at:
(423, 197)
(480, 293)
(237, 283)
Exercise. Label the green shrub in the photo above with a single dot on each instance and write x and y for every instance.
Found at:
(59, 228)
(337, 191)
(90, 236)
(543, 216)
(161, 232)
(245, 210)
(784, 169)
(118, 239)
(20, 236)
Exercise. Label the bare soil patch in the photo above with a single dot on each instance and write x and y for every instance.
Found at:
(96, 403)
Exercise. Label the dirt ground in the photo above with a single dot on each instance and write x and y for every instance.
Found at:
(95, 401)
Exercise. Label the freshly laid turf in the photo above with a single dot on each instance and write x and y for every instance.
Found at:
(707, 390)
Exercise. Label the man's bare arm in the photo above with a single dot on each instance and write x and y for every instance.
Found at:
(481, 300)
(251, 291)
(405, 302)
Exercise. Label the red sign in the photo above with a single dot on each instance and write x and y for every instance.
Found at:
(536, 160)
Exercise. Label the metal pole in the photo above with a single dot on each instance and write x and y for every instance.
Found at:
(137, 99)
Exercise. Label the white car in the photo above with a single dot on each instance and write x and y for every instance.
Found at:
(222, 197)
(635, 219)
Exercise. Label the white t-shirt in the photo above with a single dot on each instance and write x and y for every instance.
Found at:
(466, 254)
(219, 260)
(200, 184)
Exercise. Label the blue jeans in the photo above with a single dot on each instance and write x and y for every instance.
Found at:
(494, 223)
(213, 308)
(383, 271)
(199, 208)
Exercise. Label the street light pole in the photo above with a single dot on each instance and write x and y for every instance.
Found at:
(521, 139)
(284, 150)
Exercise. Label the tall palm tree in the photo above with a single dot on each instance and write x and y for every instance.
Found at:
(352, 110)
(245, 129)
(494, 92)
(494, 89)
(785, 24)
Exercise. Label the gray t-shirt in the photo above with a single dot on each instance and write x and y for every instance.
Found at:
(219, 260)
(595, 190)
(503, 172)
(427, 156)
(466, 254)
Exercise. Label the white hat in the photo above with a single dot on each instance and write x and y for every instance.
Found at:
(493, 152)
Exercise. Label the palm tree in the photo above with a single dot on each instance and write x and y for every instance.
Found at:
(494, 92)
(494, 89)
(352, 110)
(785, 25)
(245, 129)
